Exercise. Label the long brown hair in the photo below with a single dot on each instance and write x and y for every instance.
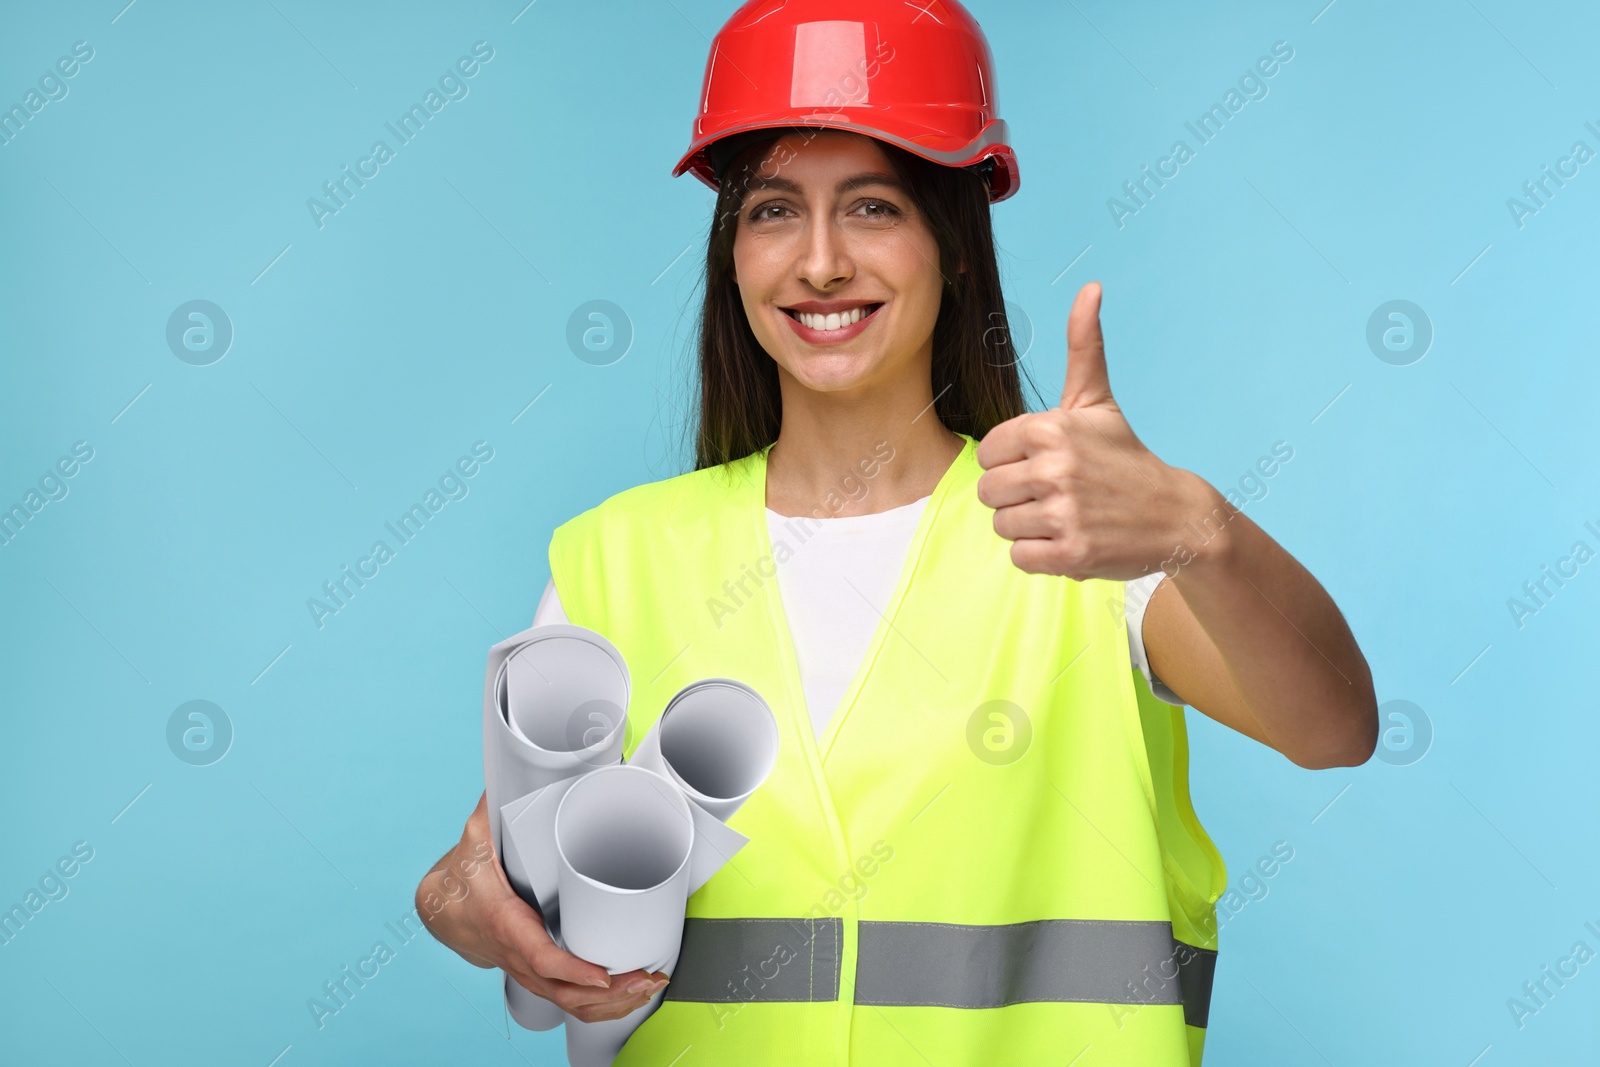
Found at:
(976, 383)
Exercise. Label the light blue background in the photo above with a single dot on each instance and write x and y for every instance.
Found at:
(370, 353)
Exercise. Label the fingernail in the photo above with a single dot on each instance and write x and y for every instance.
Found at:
(638, 985)
(602, 983)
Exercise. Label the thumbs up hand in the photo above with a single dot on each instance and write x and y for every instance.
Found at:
(1074, 490)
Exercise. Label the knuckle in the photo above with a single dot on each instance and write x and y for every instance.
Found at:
(1038, 432)
(1076, 558)
(533, 933)
(1050, 472)
(541, 964)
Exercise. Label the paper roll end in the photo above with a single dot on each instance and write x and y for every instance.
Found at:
(529, 1010)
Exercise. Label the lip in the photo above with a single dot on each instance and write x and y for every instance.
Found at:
(830, 337)
(828, 307)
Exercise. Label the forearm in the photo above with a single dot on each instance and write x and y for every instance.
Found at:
(450, 882)
(1294, 662)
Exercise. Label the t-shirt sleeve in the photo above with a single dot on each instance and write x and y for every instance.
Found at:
(1136, 595)
(549, 611)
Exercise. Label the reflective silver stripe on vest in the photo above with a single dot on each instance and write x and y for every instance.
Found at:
(918, 964)
(1103, 961)
(748, 960)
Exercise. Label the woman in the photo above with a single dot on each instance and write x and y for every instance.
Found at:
(977, 843)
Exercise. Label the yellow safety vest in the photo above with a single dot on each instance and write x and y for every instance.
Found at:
(989, 857)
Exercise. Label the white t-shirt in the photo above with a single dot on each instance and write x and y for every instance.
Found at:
(835, 584)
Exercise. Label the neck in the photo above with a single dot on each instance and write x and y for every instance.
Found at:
(837, 456)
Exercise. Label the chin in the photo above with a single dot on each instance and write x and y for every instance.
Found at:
(833, 373)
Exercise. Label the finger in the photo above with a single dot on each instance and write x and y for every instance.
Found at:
(610, 1012)
(1087, 382)
(1013, 483)
(575, 999)
(599, 1015)
(622, 989)
(625, 982)
(615, 1007)
(525, 934)
(1016, 438)
(1035, 555)
(1024, 521)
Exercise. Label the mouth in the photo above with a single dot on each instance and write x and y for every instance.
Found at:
(833, 326)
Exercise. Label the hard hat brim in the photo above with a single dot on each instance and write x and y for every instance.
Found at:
(992, 142)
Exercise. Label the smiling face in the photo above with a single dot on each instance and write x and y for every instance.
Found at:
(837, 270)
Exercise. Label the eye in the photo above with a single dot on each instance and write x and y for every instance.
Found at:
(760, 214)
(883, 210)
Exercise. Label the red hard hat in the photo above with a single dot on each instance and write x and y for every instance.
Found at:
(916, 75)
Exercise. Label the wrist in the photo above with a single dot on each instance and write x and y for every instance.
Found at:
(1208, 534)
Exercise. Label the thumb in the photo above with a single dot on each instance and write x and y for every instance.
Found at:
(1087, 383)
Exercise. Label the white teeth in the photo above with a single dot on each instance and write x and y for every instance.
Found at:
(835, 321)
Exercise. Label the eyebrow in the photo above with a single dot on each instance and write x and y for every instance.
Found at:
(855, 181)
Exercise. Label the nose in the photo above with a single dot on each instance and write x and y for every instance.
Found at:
(824, 261)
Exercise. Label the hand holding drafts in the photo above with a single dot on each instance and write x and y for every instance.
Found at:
(1072, 487)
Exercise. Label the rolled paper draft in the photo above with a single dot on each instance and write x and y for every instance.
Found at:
(554, 706)
(717, 739)
(623, 837)
(527, 828)
(598, 1044)
(722, 740)
(530, 836)
(716, 742)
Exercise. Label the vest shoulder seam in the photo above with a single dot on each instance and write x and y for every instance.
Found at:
(650, 496)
